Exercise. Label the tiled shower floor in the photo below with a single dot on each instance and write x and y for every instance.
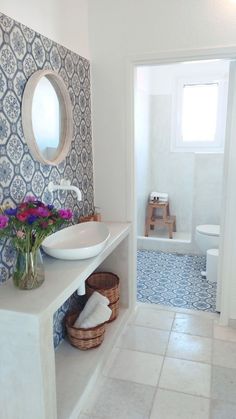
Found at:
(174, 280)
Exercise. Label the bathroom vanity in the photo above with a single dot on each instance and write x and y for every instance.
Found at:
(36, 381)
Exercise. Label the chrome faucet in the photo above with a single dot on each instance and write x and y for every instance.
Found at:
(65, 185)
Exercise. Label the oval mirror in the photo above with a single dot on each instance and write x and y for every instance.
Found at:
(47, 117)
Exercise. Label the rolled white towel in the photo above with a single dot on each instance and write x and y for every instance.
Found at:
(153, 196)
(163, 197)
(158, 196)
(95, 298)
(100, 314)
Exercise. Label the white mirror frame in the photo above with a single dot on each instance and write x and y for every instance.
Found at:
(67, 124)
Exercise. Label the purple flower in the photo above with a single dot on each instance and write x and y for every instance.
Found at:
(65, 214)
(10, 211)
(3, 221)
(31, 219)
(42, 212)
(50, 207)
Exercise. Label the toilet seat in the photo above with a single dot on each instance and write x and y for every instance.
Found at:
(209, 229)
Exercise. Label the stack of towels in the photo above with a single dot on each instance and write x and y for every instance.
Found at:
(158, 196)
(95, 312)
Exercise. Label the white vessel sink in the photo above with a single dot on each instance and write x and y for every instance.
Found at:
(80, 241)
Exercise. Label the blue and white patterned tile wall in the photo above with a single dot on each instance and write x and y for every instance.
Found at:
(22, 52)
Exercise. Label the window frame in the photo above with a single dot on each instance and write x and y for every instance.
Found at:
(216, 146)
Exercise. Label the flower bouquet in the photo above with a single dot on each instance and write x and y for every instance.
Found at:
(27, 226)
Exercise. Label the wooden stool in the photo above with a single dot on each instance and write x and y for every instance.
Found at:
(163, 219)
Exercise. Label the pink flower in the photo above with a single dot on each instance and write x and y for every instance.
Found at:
(3, 221)
(20, 234)
(66, 214)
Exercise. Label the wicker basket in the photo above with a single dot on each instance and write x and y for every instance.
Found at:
(115, 310)
(108, 284)
(83, 338)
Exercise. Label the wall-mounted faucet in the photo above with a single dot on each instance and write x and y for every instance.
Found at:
(65, 185)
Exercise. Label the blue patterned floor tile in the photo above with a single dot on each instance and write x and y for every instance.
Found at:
(174, 280)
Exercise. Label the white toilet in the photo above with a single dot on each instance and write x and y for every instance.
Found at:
(208, 236)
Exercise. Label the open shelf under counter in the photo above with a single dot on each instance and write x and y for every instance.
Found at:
(58, 380)
(77, 371)
(62, 278)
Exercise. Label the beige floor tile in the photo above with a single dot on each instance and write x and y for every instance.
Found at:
(123, 400)
(180, 311)
(136, 366)
(197, 313)
(223, 410)
(144, 339)
(186, 376)
(224, 354)
(155, 319)
(232, 323)
(157, 307)
(223, 384)
(193, 348)
(110, 360)
(224, 333)
(173, 405)
(193, 325)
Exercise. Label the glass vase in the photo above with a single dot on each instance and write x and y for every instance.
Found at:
(29, 270)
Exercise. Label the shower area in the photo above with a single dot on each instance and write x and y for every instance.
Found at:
(186, 176)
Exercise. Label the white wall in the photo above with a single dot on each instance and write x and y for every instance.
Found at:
(192, 180)
(119, 31)
(159, 80)
(207, 189)
(65, 22)
(125, 30)
(172, 173)
(142, 156)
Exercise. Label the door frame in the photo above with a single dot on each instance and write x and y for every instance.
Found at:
(226, 259)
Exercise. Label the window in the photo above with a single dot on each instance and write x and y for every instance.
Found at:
(199, 115)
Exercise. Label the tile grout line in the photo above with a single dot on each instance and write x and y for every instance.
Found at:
(211, 382)
(164, 357)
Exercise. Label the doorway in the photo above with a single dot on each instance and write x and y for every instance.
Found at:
(169, 270)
